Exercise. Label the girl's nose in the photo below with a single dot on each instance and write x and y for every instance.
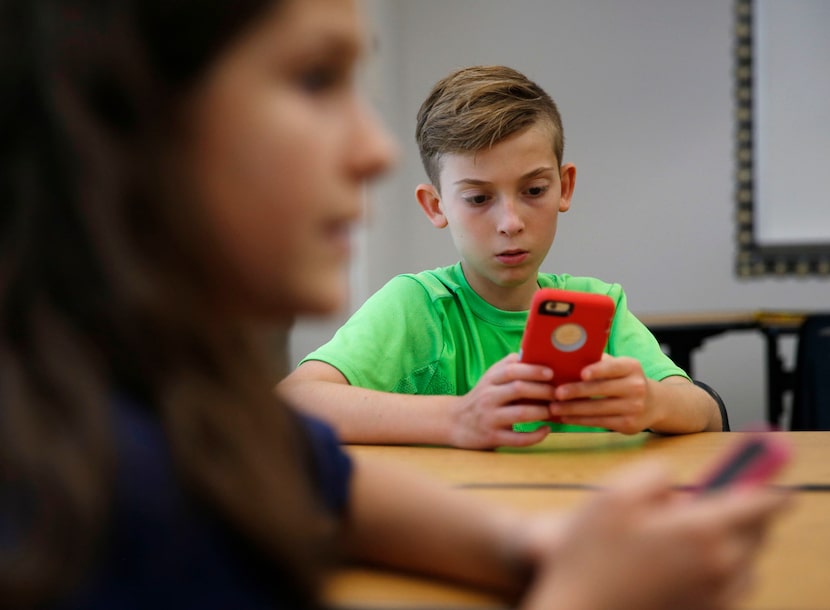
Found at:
(374, 150)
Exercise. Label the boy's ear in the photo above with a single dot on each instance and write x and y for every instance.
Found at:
(567, 177)
(430, 200)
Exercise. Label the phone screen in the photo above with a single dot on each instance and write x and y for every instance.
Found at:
(755, 461)
(735, 467)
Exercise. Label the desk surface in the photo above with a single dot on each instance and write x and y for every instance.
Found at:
(556, 474)
(570, 458)
(727, 320)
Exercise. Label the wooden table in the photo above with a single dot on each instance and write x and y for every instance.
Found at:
(561, 472)
(683, 333)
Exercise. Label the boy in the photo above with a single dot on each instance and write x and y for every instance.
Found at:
(431, 357)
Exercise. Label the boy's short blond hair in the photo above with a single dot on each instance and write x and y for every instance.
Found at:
(474, 108)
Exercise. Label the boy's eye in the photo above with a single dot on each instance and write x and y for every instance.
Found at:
(536, 191)
(477, 199)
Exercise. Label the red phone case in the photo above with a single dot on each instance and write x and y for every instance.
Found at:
(754, 461)
(566, 330)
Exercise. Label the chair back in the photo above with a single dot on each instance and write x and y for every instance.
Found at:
(724, 415)
(811, 387)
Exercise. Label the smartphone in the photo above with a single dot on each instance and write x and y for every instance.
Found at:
(566, 331)
(753, 461)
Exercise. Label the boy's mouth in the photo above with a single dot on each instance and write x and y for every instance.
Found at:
(512, 257)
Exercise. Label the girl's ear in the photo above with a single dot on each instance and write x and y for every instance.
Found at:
(567, 175)
(430, 200)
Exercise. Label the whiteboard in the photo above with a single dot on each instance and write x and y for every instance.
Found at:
(791, 121)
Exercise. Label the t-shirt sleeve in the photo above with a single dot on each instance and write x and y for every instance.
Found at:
(332, 466)
(395, 332)
(630, 337)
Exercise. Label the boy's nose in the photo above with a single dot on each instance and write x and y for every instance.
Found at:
(510, 223)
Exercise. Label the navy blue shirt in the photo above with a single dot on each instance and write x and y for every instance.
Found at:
(166, 551)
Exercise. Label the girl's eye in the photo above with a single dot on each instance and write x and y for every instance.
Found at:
(325, 76)
(320, 79)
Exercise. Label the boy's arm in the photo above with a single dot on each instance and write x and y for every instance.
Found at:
(360, 415)
(681, 407)
(481, 419)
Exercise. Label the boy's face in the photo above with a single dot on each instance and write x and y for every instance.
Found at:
(501, 206)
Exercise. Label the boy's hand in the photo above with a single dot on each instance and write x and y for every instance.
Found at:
(509, 392)
(614, 394)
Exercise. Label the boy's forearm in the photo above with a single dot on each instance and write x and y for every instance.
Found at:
(368, 416)
(683, 407)
(401, 519)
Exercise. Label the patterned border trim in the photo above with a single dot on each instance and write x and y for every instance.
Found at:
(752, 259)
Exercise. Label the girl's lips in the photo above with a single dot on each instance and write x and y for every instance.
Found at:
(338, 236)
(512, 258)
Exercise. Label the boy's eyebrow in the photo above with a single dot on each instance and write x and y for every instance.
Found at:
(531, 174)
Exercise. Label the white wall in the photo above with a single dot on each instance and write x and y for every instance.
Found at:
(645, 90)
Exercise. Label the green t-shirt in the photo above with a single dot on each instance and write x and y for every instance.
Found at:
(430, 333)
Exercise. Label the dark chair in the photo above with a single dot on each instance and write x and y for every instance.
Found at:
(709, 390)
(811, 381)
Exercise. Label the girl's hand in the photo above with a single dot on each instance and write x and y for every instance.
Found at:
(638, 545)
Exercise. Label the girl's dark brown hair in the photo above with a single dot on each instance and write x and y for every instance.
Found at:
(103, 282)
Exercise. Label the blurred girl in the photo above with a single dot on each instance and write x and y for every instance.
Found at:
(178, 180)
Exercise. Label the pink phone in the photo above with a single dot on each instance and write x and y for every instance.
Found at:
(566, 330)
(754, 461)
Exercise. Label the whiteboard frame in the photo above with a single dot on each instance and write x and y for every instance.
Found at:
(753, 258)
